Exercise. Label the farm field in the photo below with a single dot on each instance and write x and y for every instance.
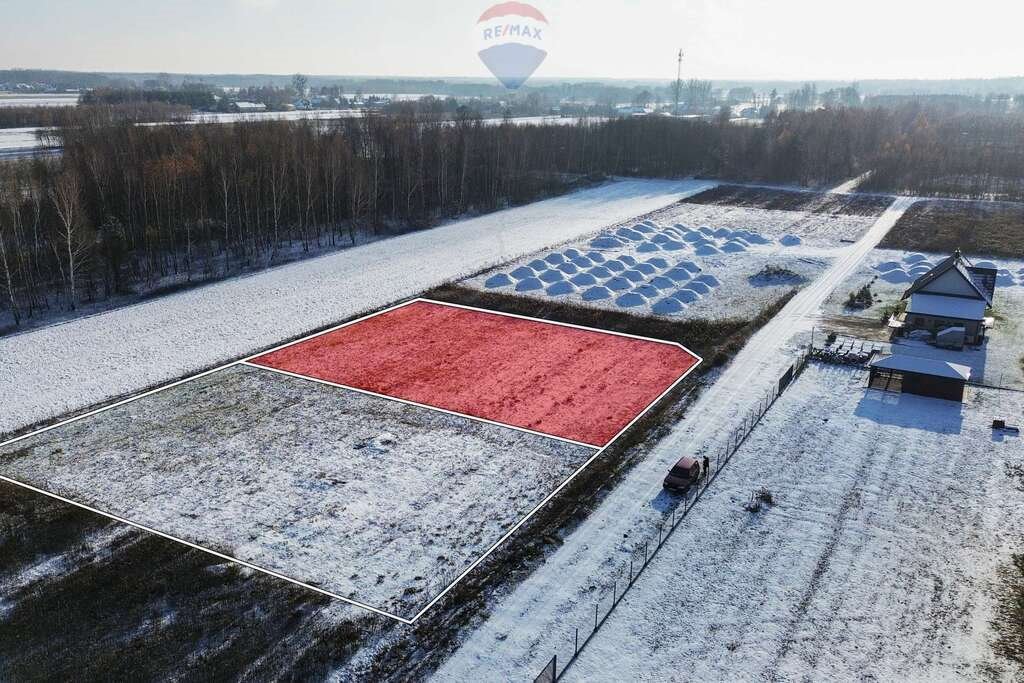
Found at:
(691, 261)
(276, 463)
(881, 556)
(126, 350)
(990, 229)
(331, 487)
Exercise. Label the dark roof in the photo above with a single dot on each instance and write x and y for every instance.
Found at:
(958, 262)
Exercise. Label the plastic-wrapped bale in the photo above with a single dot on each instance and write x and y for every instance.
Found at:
(630, 300)
(687, 296)
(606, 242)
(497, 281)
(551, 276)
(560, 289)
(634, 276)
(678, 275)
(554, 259)
(658, 262)
(583, 279)
(529, 285)
(618, 284)
(662, 282)
(668, 306)
(597, 294)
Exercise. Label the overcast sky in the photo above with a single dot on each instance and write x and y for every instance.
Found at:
(723, 39)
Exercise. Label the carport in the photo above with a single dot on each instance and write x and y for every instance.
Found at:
(921, 376)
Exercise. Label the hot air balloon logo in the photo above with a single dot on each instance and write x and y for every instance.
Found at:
(511, 37)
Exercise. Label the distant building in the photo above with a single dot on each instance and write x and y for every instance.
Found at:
(248, 107)
(949, 302)
(921, 376)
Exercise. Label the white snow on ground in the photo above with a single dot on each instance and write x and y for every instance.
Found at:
(890, 272)
(878, 560)
(50, 371)
(371, 499)
(524, 629)
(693, 261)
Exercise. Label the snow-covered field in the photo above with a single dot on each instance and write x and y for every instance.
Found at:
(690, 261)
(890, 272)
(375, 500)
(51, 371)
(878, 560)
(538, 618)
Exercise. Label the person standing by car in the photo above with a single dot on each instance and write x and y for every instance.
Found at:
(706, 464)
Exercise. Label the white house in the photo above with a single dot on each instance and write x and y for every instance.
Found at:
(950, 302)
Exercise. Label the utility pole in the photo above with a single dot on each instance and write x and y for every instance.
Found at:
(679, 80)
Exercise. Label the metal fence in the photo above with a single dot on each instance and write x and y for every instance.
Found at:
(611, 594)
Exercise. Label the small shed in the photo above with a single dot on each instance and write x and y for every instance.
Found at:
(921, 376)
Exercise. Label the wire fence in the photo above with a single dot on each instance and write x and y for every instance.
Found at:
(626, 574)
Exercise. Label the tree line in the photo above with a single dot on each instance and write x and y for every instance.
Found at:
(129, 208)
(133, 112)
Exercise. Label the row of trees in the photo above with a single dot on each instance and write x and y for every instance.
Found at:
(134, 207)
(134, 112)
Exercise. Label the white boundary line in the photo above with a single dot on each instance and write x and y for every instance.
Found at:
(204, 549)
(246, 361)
(317, 380)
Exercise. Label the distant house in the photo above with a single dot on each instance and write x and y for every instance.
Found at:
(921, 376)
(949, 302)
(248, 107)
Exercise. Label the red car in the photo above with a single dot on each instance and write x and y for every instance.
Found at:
(683, 474)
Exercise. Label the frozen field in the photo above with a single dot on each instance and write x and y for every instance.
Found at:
(690, 261)
(128, 349)
(371, 499)
(890, 273)
(877, 561)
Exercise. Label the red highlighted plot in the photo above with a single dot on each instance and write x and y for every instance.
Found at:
(577, 384)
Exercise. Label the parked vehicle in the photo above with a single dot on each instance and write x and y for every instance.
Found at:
(683, 474)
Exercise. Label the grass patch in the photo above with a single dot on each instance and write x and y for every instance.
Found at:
(1009, 618)
(980, 228)
(792, 200)
(140, 607)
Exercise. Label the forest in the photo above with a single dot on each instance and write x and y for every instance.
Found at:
(129, 209)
